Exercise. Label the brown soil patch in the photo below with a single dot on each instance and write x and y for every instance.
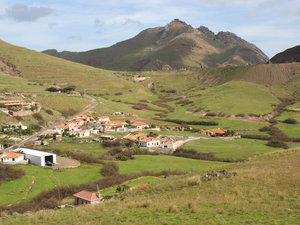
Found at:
(64, 163)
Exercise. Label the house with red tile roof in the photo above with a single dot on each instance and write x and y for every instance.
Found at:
(61, 128)
(103, 119)
(140, 125)
(213, 132)
(135, 137)
(11, 157)
(86, 197)
(80, 133)
(150, 142)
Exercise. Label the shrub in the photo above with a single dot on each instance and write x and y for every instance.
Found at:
(9, 173)
(38, 117)
(108, 143)
(290, 121)
(277, 144)
(49, 111)
(68, 112)
(109, 169)
(253, 136)
(52, 89)
(211, 114)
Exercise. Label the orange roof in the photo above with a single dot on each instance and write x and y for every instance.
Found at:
(103, 117)
(140, 124)
(217, 131)
(10, 155)
(151, 139)
(77, 131)
(62, 127)
(86, 195)
(115, 123)
(131, 137)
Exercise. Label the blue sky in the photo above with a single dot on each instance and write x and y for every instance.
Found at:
(79, 25)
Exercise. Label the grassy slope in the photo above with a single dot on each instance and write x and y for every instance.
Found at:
(43, 68)
(262, 193)
(38, 179)
(232, 149)
(161, 162)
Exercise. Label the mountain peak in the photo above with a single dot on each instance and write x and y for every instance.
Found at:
(177, 22)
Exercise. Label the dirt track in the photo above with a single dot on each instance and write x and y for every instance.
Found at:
(64, 163)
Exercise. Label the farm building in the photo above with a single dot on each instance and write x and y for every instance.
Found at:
(37, 157)
(11, 157)
(150, 142)
(213, 132)
(86, 197)
(140, 125)
(80, 133)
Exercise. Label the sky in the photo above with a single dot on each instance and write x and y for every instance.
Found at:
(80, 25)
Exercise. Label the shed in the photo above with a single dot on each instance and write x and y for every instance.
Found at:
(37, 157)
(86, 197)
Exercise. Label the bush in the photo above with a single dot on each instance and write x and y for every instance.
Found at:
(253, 136)
(277, 144)
(193, 154)
(108, 143)
(49, 111)
(38, 117)
(109, 169)
(52, 89)
(9, 173)
(205, 123)
(211, 114)
(68, 112)
(290, 121)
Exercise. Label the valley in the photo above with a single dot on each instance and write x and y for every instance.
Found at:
(245, 120)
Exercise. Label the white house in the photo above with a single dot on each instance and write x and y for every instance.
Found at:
(61, 128)
(103, 119)
(140, 125)
(95, 131)
(150, 142)
(80, 133)
(37, 157)
(11, 157)
(115, 124)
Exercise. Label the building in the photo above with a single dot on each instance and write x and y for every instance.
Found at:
(140, 125)
(150, 142)
(61, 128)
(103, 119)
(11, 157)
(213, 132)
(86, 197)
(135, 137)
(38, 158)
(80, 133)
(115, 124)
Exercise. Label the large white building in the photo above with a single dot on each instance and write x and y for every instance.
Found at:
(37, 157)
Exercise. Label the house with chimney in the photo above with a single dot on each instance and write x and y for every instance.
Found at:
(86, 197)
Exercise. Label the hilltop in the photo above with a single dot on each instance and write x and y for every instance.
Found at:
(174, 46)
(287, 56)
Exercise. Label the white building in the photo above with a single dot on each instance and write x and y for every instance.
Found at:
(140, 125)
(37, 157)
(80, 133)
(11, 157)
(103, 119)
(150, 142)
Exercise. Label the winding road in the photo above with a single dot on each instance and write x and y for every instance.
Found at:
(34, 137)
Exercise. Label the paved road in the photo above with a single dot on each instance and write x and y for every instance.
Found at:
(34, 137)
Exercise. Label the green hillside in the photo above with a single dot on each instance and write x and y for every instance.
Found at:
(176, 45)
(261, 193)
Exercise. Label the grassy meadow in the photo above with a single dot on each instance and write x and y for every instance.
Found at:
(38, 179)
(261, 193)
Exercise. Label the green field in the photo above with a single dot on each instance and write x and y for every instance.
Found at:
(38, 179)
(230, 149)
(261, 193)
(94, 148)
(159, 163)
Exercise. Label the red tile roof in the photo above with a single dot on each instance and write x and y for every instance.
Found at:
(86, 195)
(62, 127)
(151, 139)
(10, 155)
(135, 136)
(115, 123)
(217, 131)
(140, 124)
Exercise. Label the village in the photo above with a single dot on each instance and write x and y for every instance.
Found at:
(99, 128)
